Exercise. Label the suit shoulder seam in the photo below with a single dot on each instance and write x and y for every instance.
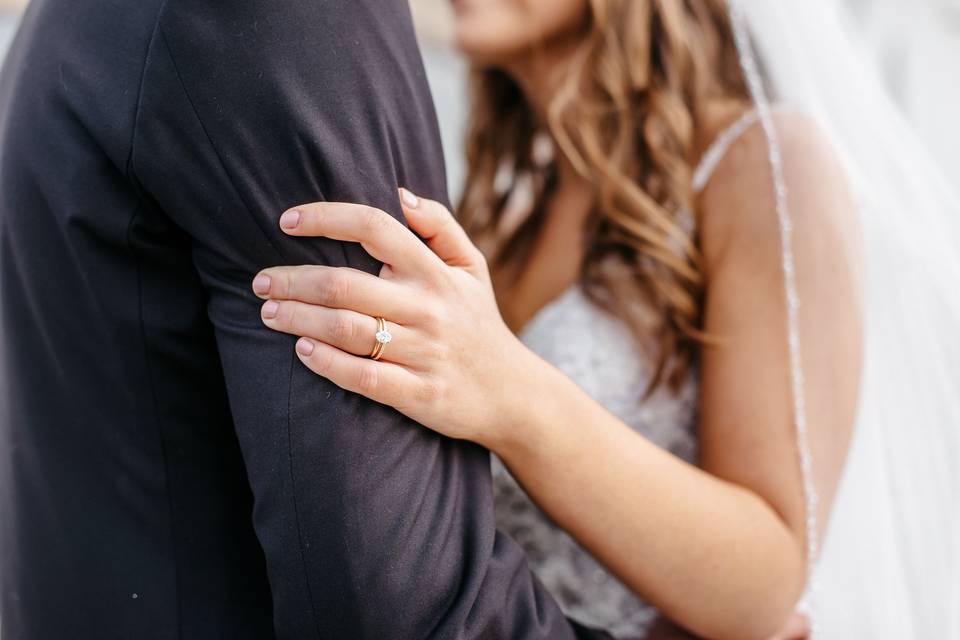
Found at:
(143, 76)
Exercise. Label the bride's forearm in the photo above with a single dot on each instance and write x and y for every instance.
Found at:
(710, 554)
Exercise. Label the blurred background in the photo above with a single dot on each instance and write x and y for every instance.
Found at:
(916, 44)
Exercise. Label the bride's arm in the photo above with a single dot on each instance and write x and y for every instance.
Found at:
(720, 548)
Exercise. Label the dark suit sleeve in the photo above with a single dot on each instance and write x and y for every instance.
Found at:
(372, 526)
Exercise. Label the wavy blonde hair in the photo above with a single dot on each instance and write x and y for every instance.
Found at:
(626, 118)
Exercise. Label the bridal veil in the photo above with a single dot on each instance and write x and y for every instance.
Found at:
(888, 564)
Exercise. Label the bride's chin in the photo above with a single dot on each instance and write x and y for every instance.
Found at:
(482, 51)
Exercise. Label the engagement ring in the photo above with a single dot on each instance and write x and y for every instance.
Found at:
(383, 337)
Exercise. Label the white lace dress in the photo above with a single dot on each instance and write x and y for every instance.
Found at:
(588, 345)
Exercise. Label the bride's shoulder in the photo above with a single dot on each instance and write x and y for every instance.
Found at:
(737, 206)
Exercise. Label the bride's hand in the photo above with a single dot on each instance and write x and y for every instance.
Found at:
(797, 628)
(452, 363)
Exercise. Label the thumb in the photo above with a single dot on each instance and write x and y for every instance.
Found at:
(442, 233)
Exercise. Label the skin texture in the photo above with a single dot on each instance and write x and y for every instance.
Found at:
(718, 547)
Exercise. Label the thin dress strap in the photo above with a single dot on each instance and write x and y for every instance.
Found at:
(719, 147)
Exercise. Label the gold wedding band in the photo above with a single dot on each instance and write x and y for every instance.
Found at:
(383, 338)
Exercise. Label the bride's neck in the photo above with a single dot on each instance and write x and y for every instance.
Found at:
(539, 78)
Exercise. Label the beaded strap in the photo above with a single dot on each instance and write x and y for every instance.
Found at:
(719, 147)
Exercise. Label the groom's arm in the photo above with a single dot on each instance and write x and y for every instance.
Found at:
(372, 526)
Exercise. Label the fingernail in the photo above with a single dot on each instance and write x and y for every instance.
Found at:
(269, 310)
(409, 200)
(261, 284)
(304, 347)
(290, 220)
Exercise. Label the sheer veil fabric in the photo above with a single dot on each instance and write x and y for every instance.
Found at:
(888, 565)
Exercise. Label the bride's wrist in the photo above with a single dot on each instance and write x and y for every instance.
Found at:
(529, 390)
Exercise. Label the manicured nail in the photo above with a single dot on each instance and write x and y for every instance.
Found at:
(304, 347)
(290, 220)
(409, 200)
(269, 310)
(261, 284)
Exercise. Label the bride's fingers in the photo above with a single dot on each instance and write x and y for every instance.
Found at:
(380, 381)
(347, 330)
(798, 628)
(381, 235)
(337, 287)
(443, 234)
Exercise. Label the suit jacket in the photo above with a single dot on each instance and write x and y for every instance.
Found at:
(169, 468)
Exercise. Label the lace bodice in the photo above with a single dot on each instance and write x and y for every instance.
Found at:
(588, 345)
(593, 349)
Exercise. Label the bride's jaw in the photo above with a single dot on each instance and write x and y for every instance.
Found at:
(508, 33)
